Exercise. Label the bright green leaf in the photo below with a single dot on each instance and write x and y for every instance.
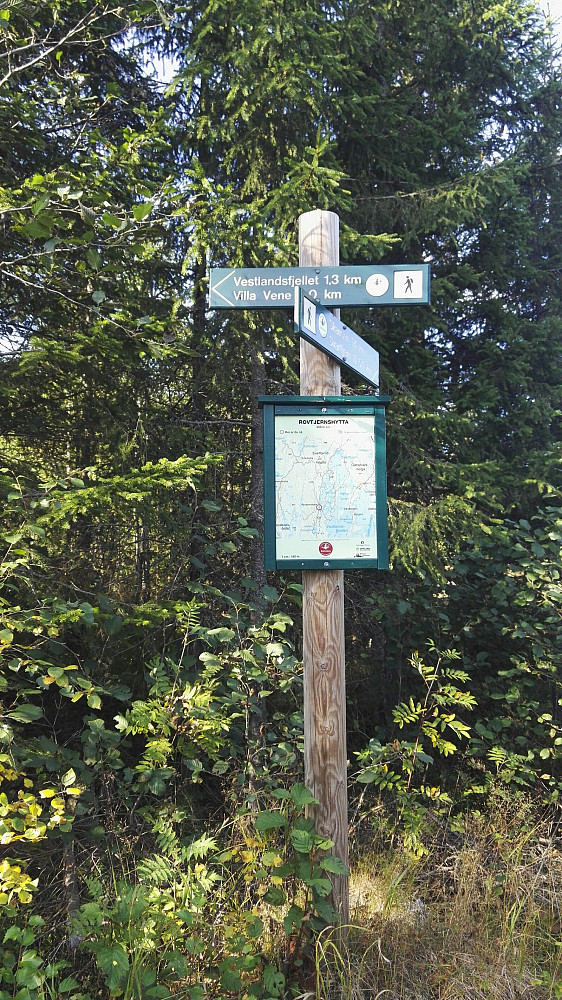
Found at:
(141, 211)
(267, 820)
(333, 864)
(26, 713)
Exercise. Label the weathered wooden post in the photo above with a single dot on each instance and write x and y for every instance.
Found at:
(323, 609)
(355, 438)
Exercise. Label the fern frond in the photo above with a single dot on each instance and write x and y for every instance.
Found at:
(198, 849)
(406, 713)
(158, 870)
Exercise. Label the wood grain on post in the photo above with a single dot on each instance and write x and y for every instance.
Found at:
(325, 752)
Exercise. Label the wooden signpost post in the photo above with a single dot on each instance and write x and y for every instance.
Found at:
(325, 745)
(325, 284)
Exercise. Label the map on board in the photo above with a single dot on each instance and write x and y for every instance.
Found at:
(325, 493)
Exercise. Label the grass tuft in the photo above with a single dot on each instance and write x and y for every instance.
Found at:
(477, 918)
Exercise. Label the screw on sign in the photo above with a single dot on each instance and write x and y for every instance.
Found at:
(325, 548)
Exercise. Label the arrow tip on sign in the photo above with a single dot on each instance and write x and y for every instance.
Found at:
(215, 288)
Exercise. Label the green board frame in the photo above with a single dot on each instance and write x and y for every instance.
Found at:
(310, 407)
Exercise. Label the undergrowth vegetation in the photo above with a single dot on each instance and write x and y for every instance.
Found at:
(159, 841)
(160, 844)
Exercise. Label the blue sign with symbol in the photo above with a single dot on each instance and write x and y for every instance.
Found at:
(320, 327)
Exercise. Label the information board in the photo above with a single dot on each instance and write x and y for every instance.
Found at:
(325, 482)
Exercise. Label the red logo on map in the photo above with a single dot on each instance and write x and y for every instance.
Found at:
(325, 548)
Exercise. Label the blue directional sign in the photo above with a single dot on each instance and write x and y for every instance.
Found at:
(320, 327)
(363, 285)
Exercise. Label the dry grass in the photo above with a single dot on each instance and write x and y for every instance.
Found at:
(479, 918)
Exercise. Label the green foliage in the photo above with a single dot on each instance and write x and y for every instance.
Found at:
(404, 768)
(499, 603)
(513, 636)
(25, 975)
(198, 915)
(424, 538)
